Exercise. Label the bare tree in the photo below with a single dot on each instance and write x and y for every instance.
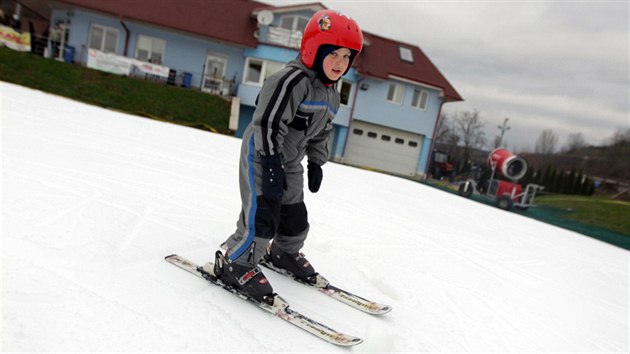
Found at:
(469, 127)
(575, 142)
(452, 139)
(447, 133)
(621, 136)
(443, 129)
(546, 142)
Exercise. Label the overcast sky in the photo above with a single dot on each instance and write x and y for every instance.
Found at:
(559, 65)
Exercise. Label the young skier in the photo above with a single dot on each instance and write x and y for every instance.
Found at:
(293, 119)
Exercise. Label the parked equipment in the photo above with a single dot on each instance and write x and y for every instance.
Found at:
(499, 181)
(440, 167)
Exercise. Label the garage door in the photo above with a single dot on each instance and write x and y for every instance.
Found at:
(382, 148)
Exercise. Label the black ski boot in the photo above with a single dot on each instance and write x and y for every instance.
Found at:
(297, 265)
(249, 280)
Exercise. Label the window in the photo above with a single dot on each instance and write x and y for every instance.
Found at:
(396, 93)
(413, 144)
(294, 23)
(272, 67)
(345, 88)
(257, 70)
(372, 135)
(254, 71)
(357, 131)
(150, 49)
(103, 38)
(399, 141)
(420, 98)
(386, 137)
(405, 54)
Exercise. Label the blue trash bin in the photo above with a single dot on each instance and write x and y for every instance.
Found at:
(187, 80)
(68, 54)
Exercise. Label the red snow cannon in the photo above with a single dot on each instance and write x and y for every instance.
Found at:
(504, 194)
(506, 164)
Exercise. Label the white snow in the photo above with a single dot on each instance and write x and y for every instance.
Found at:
(92, 201)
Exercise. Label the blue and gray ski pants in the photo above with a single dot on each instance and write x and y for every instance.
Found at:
(261, 220)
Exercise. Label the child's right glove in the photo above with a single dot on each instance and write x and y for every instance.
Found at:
(315, 176)
(273, 179)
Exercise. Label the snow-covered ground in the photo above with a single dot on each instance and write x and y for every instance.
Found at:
(92, 201)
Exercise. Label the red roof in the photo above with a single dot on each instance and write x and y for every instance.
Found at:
(381, 58)
(231, 21)
(224, 20)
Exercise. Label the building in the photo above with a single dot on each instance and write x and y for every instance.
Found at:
(391, 98)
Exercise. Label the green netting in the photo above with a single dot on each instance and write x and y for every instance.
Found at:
(558, 217)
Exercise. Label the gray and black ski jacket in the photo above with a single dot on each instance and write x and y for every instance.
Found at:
(294, 116)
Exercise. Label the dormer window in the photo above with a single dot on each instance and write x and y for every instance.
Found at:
(405, 54)
(294, 23)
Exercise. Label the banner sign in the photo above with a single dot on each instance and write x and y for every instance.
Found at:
(119, 65)
(152, 69)
(107, 62)
(15, 40)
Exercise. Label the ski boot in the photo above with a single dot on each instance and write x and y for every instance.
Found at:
(296, 265)
(249, 280)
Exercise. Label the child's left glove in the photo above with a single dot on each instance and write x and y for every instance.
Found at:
(315, 176)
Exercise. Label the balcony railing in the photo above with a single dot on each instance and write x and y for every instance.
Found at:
(280, 36)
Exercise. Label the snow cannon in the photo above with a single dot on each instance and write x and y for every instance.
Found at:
(508, 165)
(505, 194)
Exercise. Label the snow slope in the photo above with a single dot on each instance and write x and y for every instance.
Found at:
(92, 200)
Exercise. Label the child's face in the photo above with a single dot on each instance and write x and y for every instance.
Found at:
(336, 63)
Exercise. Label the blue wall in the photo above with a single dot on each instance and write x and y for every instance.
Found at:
(372, 106)
(182, 53)
(339, 142)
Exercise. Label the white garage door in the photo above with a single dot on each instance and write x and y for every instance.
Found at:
(383, 148)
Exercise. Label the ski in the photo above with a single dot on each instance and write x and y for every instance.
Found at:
(280, 308)
(344, 296)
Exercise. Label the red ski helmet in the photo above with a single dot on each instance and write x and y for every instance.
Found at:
(330, 27)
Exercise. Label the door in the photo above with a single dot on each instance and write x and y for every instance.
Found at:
(383, 148)
(214, 74)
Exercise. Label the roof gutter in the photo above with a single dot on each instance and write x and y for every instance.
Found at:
(122, 19)
(437, 123)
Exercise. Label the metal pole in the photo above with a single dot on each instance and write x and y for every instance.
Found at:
(503, 128)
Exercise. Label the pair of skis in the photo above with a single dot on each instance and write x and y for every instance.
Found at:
(280, 308)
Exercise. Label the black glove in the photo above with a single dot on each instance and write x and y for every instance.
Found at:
(315, 176)
(273, 180)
